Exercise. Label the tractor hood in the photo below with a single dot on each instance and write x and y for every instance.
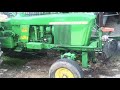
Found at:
(51, 18)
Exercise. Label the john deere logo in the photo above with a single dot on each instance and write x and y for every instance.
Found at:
(24, 37)
(24, 30)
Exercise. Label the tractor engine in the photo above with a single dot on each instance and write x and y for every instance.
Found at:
(41, 34)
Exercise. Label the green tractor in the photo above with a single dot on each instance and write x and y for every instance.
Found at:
(75, 35)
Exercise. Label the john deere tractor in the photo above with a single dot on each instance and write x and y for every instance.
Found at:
(75, 35)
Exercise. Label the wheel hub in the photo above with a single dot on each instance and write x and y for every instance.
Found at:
(63, 73)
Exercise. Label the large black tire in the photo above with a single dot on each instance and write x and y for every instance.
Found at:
(71, 65)
(110, 48)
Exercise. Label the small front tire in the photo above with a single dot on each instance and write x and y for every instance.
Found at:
(65, 68)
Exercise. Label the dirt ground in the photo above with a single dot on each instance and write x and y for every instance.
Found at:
(31, 67)
(38, 67)
(35, 67)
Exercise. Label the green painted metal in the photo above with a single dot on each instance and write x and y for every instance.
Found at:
(32, 45)
(69, 56)
(7, 42)
(66, 34)
(49, 19)
(36, 45)
(85, 59)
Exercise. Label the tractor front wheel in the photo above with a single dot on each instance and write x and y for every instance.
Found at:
(65, 68)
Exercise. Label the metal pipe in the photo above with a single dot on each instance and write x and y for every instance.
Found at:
(105, 20)
(101, 19)
(35, 29)
(111, 15)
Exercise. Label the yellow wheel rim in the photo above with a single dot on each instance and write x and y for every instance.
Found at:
(63, 73)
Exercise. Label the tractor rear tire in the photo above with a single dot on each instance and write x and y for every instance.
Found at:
(65, 68)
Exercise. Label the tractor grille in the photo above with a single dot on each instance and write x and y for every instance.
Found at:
(62, 35)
